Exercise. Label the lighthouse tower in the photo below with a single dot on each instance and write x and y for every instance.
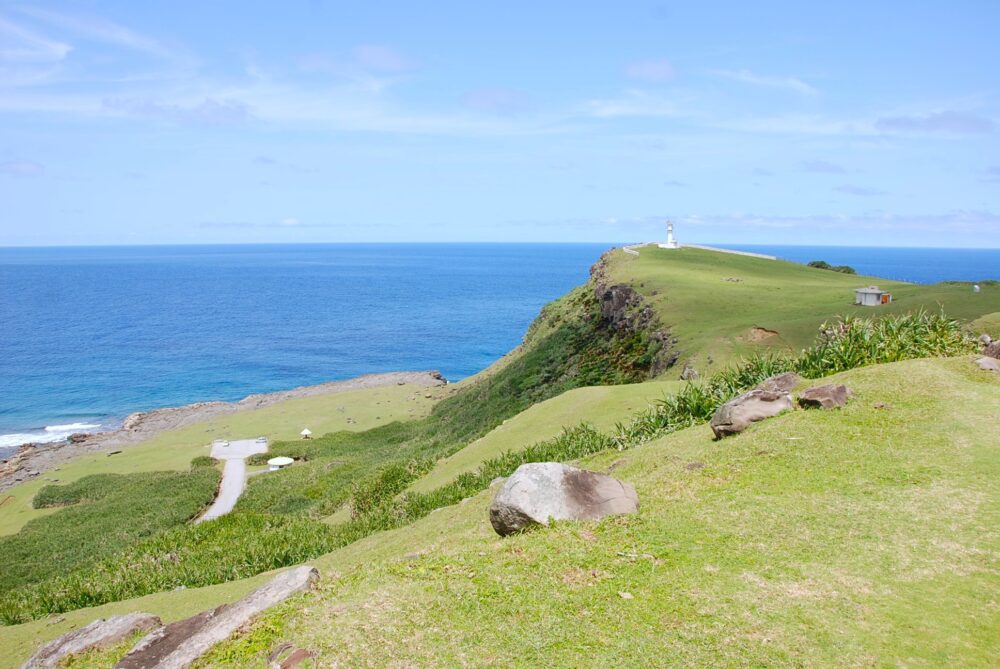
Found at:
(671, 243)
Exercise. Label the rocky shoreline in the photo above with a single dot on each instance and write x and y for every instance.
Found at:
(31, 460)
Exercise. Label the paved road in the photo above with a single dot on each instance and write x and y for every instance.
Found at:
(234, 474)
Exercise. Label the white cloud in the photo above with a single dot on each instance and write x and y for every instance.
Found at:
(787, 83)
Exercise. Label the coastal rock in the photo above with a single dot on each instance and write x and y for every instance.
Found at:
(830, 396)
(780, 383)
(988, 364)
(101, 633)
(179, 644)
(992, 350)
(539, 491)
(737, 414)
(78, 437)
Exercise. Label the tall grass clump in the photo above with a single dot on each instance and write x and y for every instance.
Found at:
(103, 514)
(238, 545)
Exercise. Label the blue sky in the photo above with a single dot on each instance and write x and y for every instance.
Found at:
(799, 123)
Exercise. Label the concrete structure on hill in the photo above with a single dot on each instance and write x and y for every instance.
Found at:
(871, 296)
(671, 242)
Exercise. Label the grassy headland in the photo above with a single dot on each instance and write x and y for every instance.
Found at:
(404, 456)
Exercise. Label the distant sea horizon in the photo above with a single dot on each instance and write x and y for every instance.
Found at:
(91, 334)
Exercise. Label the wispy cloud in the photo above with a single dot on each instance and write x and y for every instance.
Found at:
(100, 30)
(19, 44)
(793, 84)
(947, 122)
(632, 103)
(653, 71)
(21, 168)
(860, 191)
(207, 111)
(822, 167)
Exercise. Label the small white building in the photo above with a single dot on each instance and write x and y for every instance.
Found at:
(872, 296)
(671, 242)
(280, 462)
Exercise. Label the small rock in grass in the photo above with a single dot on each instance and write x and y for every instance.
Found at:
(988, 364)
(829, 396)
(540, 491)
(625, 595)
(992, 350)
(737, 414)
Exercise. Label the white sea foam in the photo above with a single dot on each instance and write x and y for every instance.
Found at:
(46, 435)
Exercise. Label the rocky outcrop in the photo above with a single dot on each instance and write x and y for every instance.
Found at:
(780, 383)
(102, 633)
(768, 399)
(540, 491)
(622, 308)
(992, 350)
(988, 364)
(179, 644)
(829, 396)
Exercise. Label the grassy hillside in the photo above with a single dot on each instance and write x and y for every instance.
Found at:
(600, 406)
(712, 301)
(863, 536)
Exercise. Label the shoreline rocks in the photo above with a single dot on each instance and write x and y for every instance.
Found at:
(138, 427)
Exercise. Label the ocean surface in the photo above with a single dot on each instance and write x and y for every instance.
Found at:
(89, 335)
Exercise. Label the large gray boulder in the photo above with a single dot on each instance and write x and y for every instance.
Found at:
(830, 396)
(179, 644)
(737, 414)
(540, 491)
(102, 633)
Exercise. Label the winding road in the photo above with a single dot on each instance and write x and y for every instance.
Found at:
(234, 474)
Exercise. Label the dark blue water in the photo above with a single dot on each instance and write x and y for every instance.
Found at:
(901, 264)
(88, 335)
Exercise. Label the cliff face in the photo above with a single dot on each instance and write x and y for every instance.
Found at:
(624, 310)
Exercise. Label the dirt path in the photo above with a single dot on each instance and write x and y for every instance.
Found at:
(33, 459)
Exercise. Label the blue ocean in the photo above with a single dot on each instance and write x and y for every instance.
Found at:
(88, 335)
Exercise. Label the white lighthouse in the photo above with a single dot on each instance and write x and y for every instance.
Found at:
(671, 243)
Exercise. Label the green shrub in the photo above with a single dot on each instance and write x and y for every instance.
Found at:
(822, 264)
(203, 461)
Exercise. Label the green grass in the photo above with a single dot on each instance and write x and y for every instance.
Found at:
(713, 317)
(988, 324)
(863, 536)
(174, 450)
(102, 514)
